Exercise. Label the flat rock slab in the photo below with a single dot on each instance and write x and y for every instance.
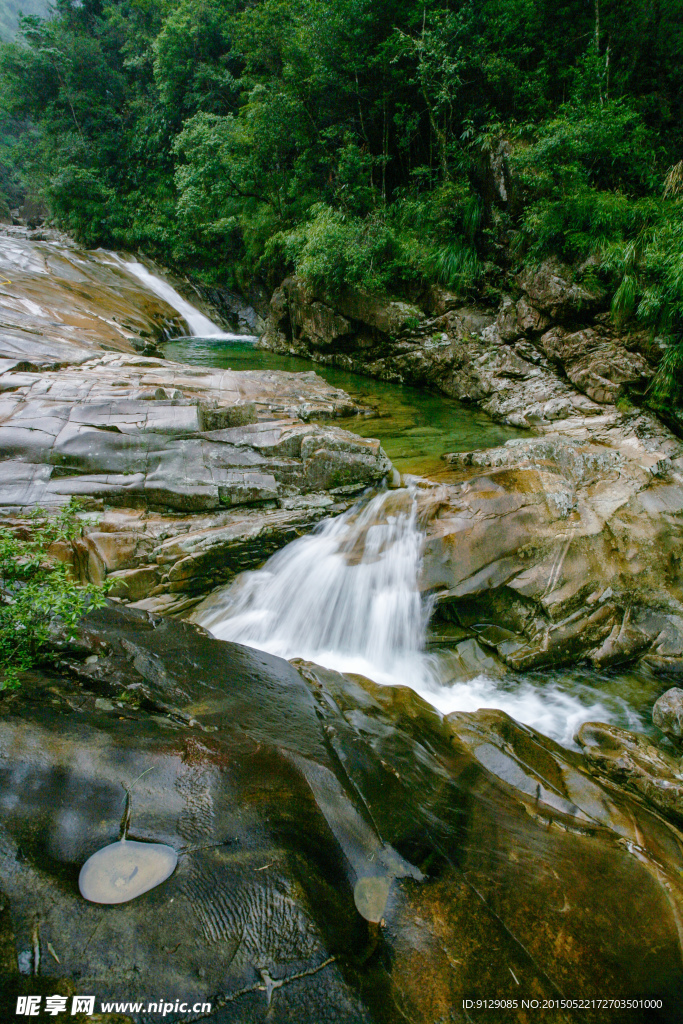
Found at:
(303, 806)
(138, 433)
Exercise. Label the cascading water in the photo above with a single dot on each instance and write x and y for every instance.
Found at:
(200, 326)
(347, 597)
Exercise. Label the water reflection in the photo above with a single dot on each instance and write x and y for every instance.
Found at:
(415, 427)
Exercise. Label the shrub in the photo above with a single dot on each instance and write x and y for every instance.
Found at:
(40, 602)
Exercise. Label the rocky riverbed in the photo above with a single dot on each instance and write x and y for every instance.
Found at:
(549, 352)
(192, 475)
(565, 546)
(345, 852)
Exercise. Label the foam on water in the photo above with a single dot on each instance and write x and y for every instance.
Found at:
(347, 597)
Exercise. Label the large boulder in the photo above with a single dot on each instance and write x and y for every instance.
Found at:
(667, 714)
(595, 362)
(345, 854)
(572, 545)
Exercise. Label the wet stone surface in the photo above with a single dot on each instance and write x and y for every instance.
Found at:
(563, 548)
(303, 805)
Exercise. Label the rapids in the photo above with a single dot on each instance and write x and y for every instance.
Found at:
(347, 597)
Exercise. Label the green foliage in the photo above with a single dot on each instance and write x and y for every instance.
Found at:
(335, 251)
(40, 603)
(11, 185)
(649, 271)
(456, 265)
(588, 179)
(351, 140)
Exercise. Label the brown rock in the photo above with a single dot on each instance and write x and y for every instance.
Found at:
(595, 362)
(434, 859)
(634, 761)
(667, 714)
(561, 542)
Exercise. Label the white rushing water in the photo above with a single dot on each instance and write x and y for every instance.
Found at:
(347, 597)
(200, 326)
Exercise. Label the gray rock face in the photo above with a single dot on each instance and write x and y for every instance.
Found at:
(528, 365)
(572, 545)
(344, 853)
(164, 442)
(138, 433)
(667, 714)
(190, 475)
(550, 288)
(594, 362)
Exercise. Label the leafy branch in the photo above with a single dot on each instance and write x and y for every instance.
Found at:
(41, 603)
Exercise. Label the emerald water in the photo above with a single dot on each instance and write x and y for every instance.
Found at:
(415, 427)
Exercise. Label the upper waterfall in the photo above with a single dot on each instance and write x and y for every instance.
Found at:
(200, 326)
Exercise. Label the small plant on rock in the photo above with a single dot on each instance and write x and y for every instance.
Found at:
(41, 603)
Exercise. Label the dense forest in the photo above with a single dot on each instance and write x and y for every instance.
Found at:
(354, 141)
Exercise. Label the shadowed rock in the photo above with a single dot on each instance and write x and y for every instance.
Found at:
(634, 761)
(345, 854)
(667, 714)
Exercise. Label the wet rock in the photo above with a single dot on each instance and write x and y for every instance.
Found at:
(565, 544)
(167, 441)
(634, 761)
(667, 714)
(59, 300)
(344, 853)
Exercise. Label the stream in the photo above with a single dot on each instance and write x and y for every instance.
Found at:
(342, 852)
(415, 427)
(347, 595)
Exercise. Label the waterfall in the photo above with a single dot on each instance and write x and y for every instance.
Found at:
(347, 597)
(200, 326)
